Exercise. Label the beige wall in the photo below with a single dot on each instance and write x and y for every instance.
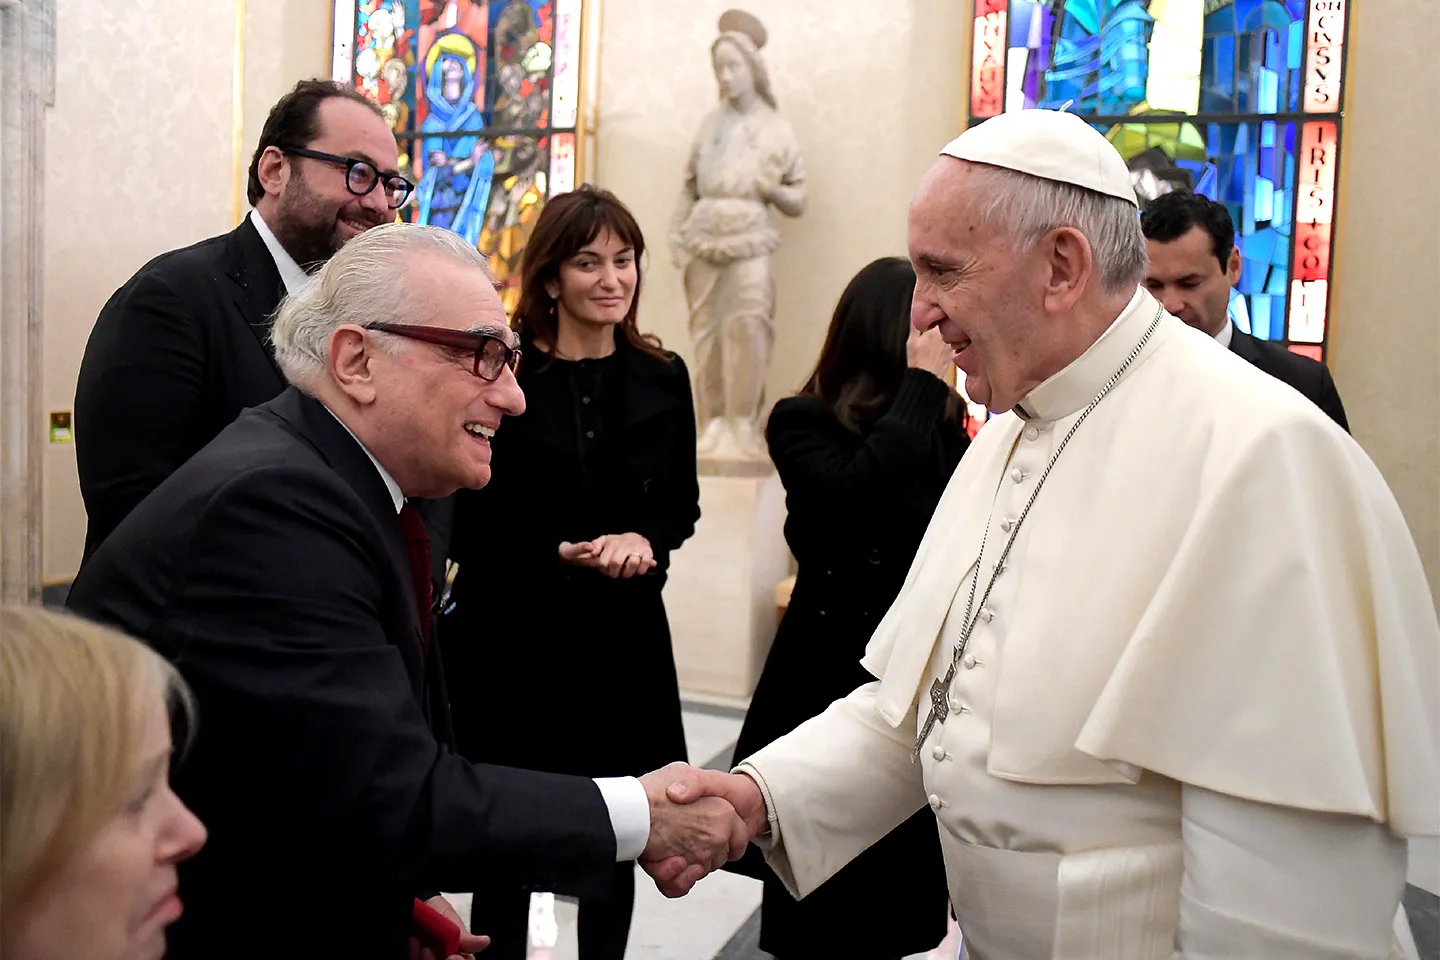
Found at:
(1385, 321)
(871, 99)
(140, 160)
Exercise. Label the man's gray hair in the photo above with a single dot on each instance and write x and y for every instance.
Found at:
(364, 283)
(1025, 208)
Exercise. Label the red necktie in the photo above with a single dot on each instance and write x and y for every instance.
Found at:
(417, 540)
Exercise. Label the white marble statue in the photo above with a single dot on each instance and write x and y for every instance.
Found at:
(744, 161)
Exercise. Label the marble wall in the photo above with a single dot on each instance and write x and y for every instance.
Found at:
(1385, 340)
(142, 159)
(1385, 318)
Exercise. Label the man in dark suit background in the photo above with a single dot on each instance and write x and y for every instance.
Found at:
(1193, 265)
(183, 346)
(277, 570)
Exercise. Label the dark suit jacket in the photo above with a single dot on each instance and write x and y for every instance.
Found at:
(1310, 377)
(272, 571)
(175, 355)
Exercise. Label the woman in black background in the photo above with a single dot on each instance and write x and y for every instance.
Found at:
(558, 648)
(864, 452)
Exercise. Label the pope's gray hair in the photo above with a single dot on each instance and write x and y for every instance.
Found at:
(1025, 208)
(363, 284)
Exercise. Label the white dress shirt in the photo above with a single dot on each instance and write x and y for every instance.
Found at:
(1226, 334)
(291, 273)
(624, 797)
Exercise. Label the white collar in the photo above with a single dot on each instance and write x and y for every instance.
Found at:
(1072, 388)
(395, 493)
(291, 273)
(1226, 334)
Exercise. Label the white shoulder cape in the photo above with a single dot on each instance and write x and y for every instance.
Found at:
(1219, 587)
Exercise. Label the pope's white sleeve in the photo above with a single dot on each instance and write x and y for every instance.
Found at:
(1270, 882)
(835, 785)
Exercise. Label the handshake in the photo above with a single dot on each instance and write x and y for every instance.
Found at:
(699, 821)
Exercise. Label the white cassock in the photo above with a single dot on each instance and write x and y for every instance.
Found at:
(1201, 706)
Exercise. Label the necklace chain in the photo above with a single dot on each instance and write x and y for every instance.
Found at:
(972, 614)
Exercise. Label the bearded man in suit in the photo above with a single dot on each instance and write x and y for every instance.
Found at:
(282, 569)
(183, 346)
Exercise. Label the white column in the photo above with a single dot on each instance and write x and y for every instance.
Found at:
(720, 597)
(27, 77)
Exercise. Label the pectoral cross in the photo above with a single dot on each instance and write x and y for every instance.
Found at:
(939, 709)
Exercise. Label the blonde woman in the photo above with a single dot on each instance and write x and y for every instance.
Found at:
(90, 832)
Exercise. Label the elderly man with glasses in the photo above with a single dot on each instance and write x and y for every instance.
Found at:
(282, 570)
(183, 346)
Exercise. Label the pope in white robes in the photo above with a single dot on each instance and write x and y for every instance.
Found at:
(1186, 696)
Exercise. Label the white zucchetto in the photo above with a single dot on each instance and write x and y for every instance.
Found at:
(1047, 144)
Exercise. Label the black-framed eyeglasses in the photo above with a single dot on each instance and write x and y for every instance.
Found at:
(360, 175)
(492, 355)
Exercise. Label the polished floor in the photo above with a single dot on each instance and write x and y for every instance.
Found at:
(719, 920)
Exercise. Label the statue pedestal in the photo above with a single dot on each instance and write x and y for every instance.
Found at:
(720, 596)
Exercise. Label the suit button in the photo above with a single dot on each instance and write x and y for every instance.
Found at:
(938, 753)
(935, 802)
(970, 662)
(589, 434)
(1017, 474)
(1031, 433)
(829, 573)
(585, 400)
(875, 557)
(986, 614)
(822, 613)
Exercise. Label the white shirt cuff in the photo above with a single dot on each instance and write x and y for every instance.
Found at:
(629, 815)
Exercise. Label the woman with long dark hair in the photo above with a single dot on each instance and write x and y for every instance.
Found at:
(558, 655)
(864, 452)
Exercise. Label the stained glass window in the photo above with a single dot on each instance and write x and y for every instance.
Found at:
(484, 98)
(1239, 100)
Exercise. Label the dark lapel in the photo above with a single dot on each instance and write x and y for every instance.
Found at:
(1244, 346)
(258, 287)
(316, 425)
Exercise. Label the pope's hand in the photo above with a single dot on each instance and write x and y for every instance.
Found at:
(695, 786)
(742, 793)
(691, 838)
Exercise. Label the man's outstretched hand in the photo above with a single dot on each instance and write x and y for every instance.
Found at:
(687, 818)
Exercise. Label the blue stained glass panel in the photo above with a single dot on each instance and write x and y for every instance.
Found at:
(1240, 60)
(467, 87)
(1250, 168)
(1098, 54)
